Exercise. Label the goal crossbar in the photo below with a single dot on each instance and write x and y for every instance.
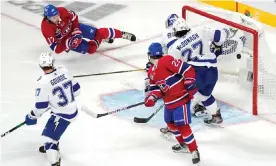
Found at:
(255, 34)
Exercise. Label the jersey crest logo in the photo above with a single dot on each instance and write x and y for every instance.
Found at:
(67, 29)
(163, 86)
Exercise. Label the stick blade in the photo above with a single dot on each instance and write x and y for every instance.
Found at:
(140, 120)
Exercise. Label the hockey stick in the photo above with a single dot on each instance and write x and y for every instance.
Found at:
(11, 130)
(95, 115)
(114, 72)
(145, 120)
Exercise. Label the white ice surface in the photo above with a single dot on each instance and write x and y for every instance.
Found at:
(111, 140)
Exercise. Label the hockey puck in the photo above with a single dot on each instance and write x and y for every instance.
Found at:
(238, 56)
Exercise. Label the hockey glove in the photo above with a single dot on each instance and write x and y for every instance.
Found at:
(73, 42)
(150, 100)
(31, 119)
(148, 65)
(216, 49)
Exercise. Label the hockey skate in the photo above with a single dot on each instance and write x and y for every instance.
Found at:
(110, 41)
(165, 130)
(199, 110)
(215, 119)
(42, 148)
(167, 134)
(57, 163)
(128, 36)
(195, 157)
(180, 148)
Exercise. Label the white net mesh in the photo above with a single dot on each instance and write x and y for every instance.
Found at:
(239, 69)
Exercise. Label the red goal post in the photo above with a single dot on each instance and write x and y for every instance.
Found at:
(243, 28)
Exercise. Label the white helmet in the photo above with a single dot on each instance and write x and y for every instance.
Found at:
(46, 59)
(180, 25)
(170, 20)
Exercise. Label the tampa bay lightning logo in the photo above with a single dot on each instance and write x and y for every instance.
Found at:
(171, 19)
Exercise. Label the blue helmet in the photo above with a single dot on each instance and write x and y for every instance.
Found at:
(50, 11)
(155, 50)
(170, 20)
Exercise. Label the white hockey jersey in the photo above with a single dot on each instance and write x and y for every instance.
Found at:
(57, 91)
(168, 39)
(194, 47)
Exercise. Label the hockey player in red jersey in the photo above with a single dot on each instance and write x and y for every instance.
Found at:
(63, 32)
(174, 81)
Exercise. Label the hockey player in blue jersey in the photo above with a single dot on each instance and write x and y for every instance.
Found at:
(56, 90)
(200, 47)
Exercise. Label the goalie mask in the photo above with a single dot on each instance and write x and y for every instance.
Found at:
(180, 25)
(170, 20)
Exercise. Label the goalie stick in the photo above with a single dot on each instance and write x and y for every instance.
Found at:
(145, 120)
(95, 115)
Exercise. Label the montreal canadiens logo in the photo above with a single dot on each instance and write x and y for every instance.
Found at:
(163, 85)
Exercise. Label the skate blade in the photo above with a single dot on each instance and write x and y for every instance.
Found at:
(215, 125)
(200, 114)
(197, 164)
(168, 137)
(181, 151)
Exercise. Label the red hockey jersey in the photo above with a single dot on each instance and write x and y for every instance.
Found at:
(56, 35)
(168, 79)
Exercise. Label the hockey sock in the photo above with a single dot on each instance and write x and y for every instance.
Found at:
(52, 152)
(176, 133)
(93, 46)
(211, 105)
(107, 33)
(188, 136)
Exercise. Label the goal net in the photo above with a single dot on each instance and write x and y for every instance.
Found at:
(246, 60)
